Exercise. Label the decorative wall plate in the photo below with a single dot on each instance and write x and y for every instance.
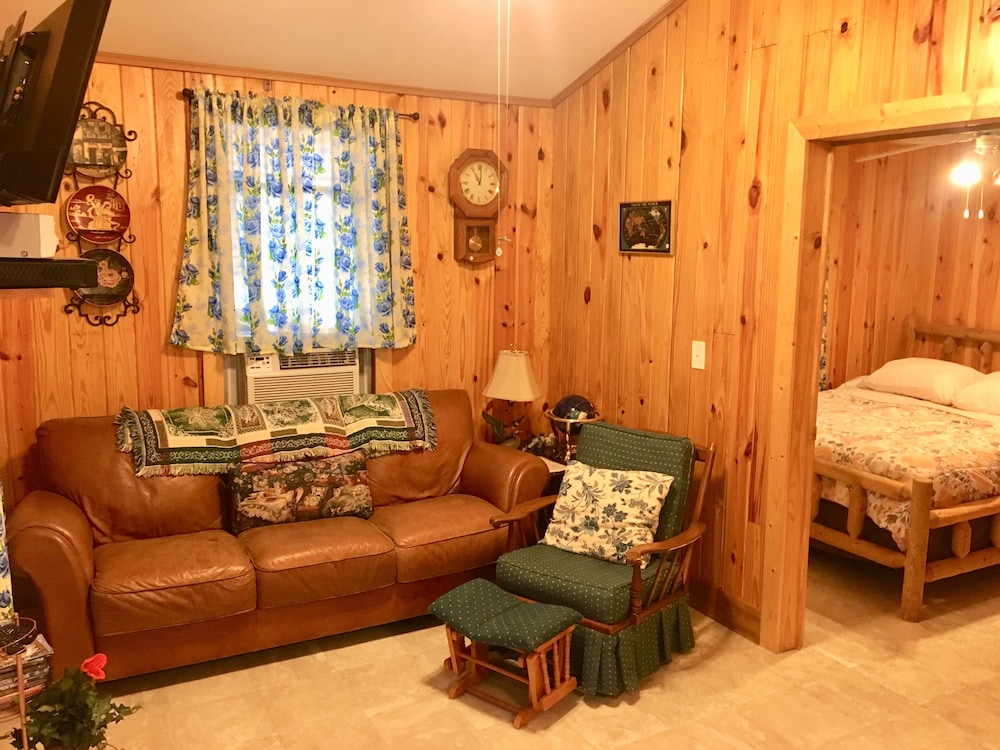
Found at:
(115, 278)
(98, 214)
(99, 147)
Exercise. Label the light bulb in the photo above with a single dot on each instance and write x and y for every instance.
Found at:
(967, 173)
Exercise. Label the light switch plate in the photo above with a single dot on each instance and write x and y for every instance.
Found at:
(698, 355)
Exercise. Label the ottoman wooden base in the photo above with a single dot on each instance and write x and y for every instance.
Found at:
(545, 670)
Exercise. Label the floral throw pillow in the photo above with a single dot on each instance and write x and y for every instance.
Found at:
(604, 513)
(264, 494)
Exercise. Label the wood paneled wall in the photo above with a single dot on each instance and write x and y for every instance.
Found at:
(899, 245)
(698, 111)
(57, 365)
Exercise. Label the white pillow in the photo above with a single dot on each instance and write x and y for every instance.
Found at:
(928, 379)
(983, 395)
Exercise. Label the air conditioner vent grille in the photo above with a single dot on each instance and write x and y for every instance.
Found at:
(269, 377)
(318, 359)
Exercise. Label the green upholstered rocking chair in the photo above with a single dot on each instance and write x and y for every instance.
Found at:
(634, 618)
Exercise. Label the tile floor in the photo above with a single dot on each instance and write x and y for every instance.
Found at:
(865, 679)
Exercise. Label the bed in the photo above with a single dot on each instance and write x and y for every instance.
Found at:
(907, 461)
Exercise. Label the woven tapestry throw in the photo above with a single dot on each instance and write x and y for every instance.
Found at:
(209, 439)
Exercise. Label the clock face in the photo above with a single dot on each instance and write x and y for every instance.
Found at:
(479, 182)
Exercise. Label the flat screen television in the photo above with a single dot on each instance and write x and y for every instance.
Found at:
(43, 79)
(44, 74)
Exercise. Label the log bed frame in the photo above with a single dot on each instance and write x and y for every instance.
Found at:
(917, 569)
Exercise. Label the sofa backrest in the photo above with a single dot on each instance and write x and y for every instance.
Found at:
(403, 477)
(78, 459)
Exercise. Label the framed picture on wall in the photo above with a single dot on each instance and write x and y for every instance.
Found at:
(645, 227)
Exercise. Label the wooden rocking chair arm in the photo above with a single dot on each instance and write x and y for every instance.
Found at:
(689, 536)
(522, 511)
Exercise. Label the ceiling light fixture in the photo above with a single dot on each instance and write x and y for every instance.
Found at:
(969, 171)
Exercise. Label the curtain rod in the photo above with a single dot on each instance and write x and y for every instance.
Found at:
(188, 93)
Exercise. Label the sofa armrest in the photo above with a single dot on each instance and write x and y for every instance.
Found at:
(526, 522)
(523, 511)
(503, 476)
(51, 542)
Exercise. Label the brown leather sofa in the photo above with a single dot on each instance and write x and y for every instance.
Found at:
(144, 570)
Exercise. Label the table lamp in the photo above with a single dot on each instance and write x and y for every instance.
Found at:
(513, 382)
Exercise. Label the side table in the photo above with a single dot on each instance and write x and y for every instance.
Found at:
(556, 471)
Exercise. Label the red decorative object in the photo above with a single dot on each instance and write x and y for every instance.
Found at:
(98, 214)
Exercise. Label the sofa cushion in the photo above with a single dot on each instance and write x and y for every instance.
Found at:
(404, 477)
(598, 589)
(319, 559)
(441, 535)
(263, 494)
(177, 580)
(483, 612)
(77, 459)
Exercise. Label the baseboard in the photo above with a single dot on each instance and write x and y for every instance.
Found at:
(738, 616)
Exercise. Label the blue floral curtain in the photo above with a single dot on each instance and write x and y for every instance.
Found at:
(296, 233)
(6, 590)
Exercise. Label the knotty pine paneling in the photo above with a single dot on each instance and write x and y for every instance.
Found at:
(743, 70)
(695, 110)
(56, 365)
(899, 245)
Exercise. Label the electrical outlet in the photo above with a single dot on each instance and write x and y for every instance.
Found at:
(698, 355)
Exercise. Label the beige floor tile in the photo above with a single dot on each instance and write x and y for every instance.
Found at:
(611, 723)
(719, 731)
(973, 708)
(429, 724)
(337, 727)
(916, 681)
(240, 721)
(916, 729)
(864, 679)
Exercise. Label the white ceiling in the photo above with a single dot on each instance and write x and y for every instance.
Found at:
(438, 45)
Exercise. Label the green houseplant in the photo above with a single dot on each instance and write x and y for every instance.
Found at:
(70, 714)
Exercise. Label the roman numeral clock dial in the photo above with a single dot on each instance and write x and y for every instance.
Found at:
(474, 186)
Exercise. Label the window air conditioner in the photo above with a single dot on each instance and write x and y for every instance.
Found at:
(272, 377)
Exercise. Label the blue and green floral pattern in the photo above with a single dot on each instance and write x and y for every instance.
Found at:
(603, 513)
(296, 235)
(6, 591)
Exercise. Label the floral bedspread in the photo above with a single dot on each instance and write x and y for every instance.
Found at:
(960, 454)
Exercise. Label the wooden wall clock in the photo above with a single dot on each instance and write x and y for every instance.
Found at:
(474, 186)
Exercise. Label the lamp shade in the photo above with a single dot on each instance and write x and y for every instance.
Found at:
(512, 378)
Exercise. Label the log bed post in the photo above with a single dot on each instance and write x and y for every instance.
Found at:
(917, 535)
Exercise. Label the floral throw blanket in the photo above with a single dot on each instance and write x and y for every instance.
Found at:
(209, 439)
(901, 441)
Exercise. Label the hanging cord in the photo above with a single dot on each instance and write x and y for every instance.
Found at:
(503, 45)
(499, 74)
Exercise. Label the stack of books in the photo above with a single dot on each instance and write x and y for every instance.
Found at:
(34, 665)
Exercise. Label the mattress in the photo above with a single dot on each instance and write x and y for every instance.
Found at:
(905, 438)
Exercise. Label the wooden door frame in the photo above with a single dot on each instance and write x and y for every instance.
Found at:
(801, 258)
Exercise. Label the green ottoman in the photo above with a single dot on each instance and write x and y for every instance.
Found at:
(484, 624)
